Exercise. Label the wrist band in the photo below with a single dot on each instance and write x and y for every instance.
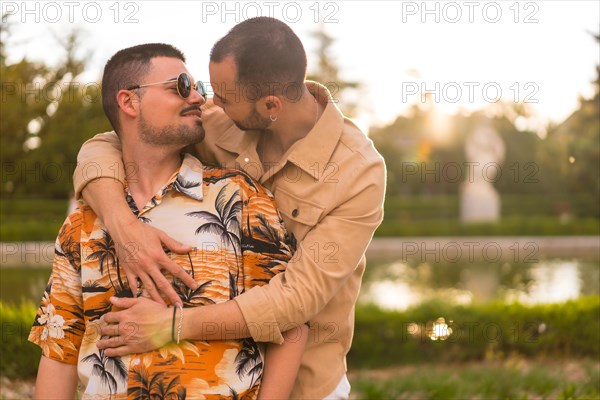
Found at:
(173, 325)
(180, 323)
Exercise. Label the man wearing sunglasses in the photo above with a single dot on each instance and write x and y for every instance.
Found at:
(327, 179)
(183, 85)
(155, 119)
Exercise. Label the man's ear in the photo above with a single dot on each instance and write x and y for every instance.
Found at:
(271, 105)
(128, 102)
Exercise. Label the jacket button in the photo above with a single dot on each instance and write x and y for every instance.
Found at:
(295, 212)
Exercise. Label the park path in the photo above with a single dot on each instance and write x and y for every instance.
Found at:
(432, 249)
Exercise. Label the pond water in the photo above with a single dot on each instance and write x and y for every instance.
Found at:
(397, 285)
(394, 284)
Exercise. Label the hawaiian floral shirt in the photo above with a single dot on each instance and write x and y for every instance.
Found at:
(240, 242)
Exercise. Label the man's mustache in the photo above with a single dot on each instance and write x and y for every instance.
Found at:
(190, 108)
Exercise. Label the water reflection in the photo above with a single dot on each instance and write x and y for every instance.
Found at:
(552, 283)
(400, 284)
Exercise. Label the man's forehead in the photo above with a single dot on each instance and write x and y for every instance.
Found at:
(223, 76)
(162, 66)
(225, 70)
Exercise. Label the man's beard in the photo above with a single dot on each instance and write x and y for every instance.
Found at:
(171, 134)
(254, 121)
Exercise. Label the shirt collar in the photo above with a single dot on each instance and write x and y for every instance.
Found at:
(187, 181)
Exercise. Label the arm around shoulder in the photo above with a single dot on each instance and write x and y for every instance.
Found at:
(138, 246)
(99, 157)
(312, 278)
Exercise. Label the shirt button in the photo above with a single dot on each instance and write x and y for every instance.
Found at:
(246, 159)
(295, 212)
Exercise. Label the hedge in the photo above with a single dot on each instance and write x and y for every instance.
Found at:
(40, 219)
(384, 338)
(18, 357)
(479, 332)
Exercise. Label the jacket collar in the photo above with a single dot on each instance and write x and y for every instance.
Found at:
(312, 153)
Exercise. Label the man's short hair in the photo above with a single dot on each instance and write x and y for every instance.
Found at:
(127, 68)
(270, 58)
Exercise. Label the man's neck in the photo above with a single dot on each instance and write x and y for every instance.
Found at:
(299, 118)
(148, 169)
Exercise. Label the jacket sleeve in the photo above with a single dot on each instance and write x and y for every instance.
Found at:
(312, 278)
(99, 157)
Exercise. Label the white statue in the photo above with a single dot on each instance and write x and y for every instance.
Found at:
(485, 152)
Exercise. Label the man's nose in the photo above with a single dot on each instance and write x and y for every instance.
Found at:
(196, 98)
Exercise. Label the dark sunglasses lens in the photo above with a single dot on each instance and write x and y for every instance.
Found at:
(184, 85)
(201, 89)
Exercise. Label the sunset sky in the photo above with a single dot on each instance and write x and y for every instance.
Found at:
(468, 53)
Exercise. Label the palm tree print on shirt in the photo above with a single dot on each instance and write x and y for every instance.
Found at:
(201, 206)
(248, 361)
(106, 255)
(183, 186)
(151, 386)
(189, 297)
(108, 369)
(225, 223)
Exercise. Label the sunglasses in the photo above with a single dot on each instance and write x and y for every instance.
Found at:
(184, 86)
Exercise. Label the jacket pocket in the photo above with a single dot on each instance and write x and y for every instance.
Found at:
(299, 215)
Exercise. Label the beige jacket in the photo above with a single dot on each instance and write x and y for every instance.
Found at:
(329, 188)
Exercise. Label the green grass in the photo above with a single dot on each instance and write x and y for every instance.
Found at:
(511, 379)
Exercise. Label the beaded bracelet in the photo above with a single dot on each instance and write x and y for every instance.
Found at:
(180, 324)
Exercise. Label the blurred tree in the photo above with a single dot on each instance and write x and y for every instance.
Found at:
(519, 171)
(419, 160)
(327, 72)
(427, 157)
(398, 143)
(570, 154)
(20, 104)
(46, 116)
(3, 33)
